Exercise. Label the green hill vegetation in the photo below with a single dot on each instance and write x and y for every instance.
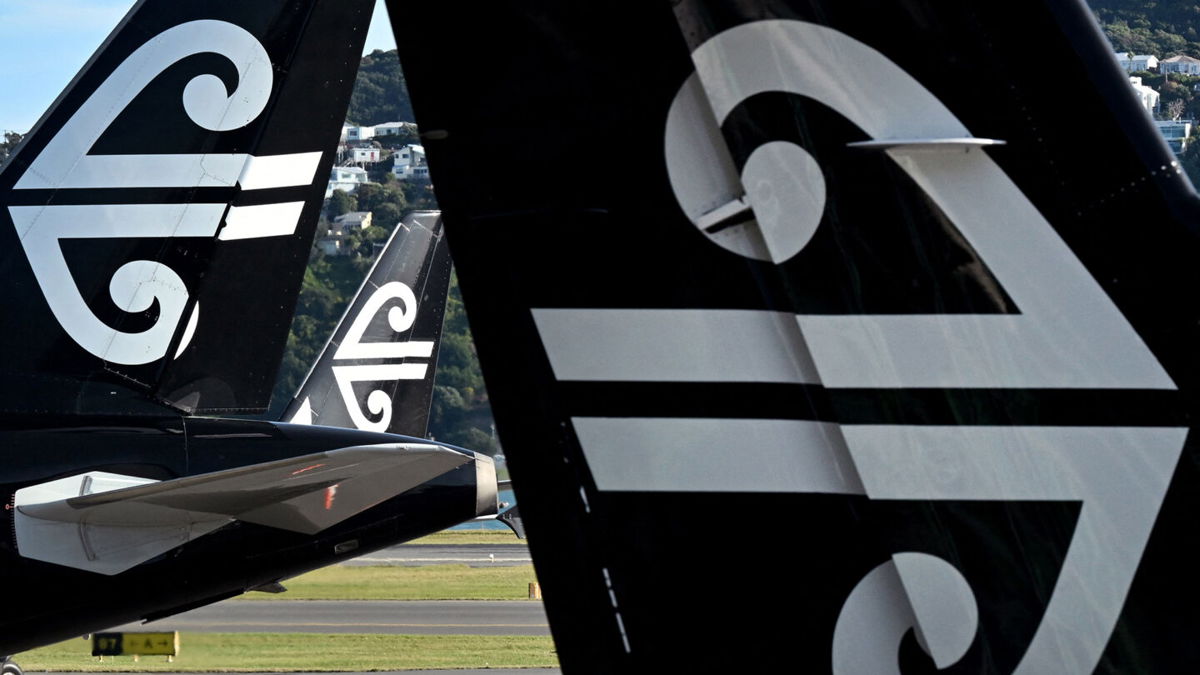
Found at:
(380, 94)
(1160, 27)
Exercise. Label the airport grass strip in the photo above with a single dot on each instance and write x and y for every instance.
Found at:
(291, 652)
(391, 582)
(478, 536)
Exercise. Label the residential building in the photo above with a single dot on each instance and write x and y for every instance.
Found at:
(346, 178)
(1176, 132)
(395, 128)
(410, 163)
(354, 220)
(1145, 95)
(365, 155)
(354, 134)
(1184, 65)
(332, 242)
(330, 245)
(1133, 63)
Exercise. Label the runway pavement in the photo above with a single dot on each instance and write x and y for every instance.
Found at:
(475, 555)
(411, 617)
(392, 617)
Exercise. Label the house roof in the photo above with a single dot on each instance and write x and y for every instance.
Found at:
(352, 217)
(1181, 58)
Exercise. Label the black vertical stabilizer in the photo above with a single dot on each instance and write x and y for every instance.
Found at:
(898, 293)
(377, 370)
(157, 219)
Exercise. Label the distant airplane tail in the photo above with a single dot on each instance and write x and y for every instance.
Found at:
(899, 293)
(376, 373)
(157, 219)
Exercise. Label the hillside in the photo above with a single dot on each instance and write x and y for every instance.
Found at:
(380, 94)
(1160, 27)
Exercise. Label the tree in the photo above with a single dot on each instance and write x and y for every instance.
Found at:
(380, 94)
(460, 413)
(370, 196)
(340, 203)
(388, 215)
(11, 140)
(375, 197)
(1191, 161)
(361, 243)
(419, 194)
(1160, 27)
(1175, 109)
(317, 311)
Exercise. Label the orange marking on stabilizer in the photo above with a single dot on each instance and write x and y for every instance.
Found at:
(297, 472)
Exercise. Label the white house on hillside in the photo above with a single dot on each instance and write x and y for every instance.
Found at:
(346, 178)
(1146, 96)
(1136, 63)
(331, 242)
(395, 128)
(410, 163)
(1185, 65)
(365, 155)
(1176, 132)
(354, 134)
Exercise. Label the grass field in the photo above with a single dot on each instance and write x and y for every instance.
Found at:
(450, 537)
(430, 582)
(282, 652)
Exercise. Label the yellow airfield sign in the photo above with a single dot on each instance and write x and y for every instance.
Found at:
(135, 643)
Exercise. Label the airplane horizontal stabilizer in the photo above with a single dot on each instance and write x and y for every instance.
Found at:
(113, 528)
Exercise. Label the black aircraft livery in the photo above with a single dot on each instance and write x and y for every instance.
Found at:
(884, 303)
(163, 203)
(377, 371)
(155, 226)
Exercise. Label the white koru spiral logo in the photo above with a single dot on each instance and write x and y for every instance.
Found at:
(65, 163)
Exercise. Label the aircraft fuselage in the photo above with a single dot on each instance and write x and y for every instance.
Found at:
(58, 602)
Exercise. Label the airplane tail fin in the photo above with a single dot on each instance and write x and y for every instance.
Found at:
(157, 219)
(377, 370)
(891, 290)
